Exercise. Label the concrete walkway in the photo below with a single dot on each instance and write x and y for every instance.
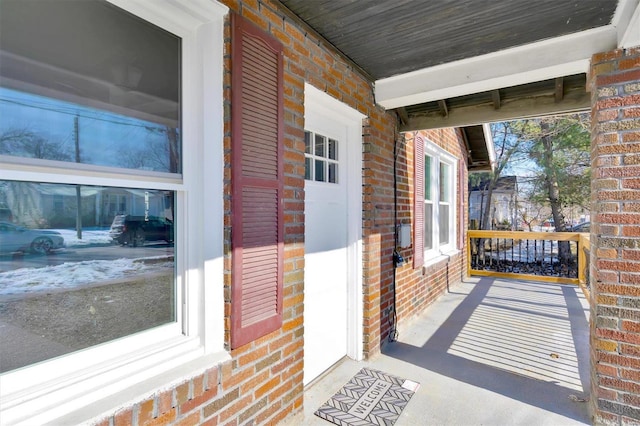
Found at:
(489, 352)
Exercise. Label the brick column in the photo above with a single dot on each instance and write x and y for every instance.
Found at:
(615, 237)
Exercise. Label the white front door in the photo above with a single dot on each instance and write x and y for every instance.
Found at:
(326, 271)
(333, 230)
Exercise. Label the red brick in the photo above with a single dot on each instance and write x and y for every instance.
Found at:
(163, 419)
(124, 417)
(198, 401)
(191, 420)
(616, 78)
(629, 63)
(633, 326)
(145, 411)
(182, 393)
(618, 336)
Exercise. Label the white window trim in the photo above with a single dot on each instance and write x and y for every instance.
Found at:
(94, 382)
(439, 155)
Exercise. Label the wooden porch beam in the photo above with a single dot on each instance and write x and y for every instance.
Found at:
(495, 97)
(403, 115)
(573, 101)
(559, 89)
(444, 111)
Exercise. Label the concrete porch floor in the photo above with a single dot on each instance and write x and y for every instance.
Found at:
(488, 352)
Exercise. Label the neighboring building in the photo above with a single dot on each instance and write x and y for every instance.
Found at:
(54, 206)
(504, 203)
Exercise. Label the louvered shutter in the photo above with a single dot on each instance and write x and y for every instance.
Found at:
(418, 196)
(257, 215)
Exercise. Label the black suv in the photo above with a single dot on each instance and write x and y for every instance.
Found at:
(135, 230)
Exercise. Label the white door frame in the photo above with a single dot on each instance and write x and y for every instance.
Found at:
(317, 100)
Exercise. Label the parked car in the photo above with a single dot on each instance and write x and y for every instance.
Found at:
(135, 230)
(581, 227)
(6, 214)
(14, 238)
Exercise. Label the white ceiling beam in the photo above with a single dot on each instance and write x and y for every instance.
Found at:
(539, 61)
(627, 22)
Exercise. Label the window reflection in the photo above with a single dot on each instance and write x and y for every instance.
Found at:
(82, 265)
(33, 126)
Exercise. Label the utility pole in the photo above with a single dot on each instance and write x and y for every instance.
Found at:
(76, 133)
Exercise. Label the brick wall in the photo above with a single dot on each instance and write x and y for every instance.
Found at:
(263, 381)
(418, 288)
(615, 228)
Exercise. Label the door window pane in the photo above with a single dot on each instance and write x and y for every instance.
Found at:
(321, 158)
(320, 144)
(333, 149)
(307, 143)
(333, 173)
(74, 273)
(319, 169)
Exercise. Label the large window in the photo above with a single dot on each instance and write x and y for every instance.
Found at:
(439, 208)
(70, 278)
(98, 211)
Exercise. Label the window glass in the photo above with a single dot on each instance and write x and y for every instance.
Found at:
(320, 143)
(319, 168)
(444, 224)
(439, 179)
(93, 97)
(307, 143)
(73, 277)
(307, 168)
(333, 149)
(428, 226)
(444, 182)
(427, 177)
(84, 264)
(333, 173)
(321, 158)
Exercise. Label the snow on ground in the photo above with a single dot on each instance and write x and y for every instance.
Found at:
(74, 274)
(89, 237)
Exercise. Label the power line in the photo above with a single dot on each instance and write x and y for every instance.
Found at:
(76, 113)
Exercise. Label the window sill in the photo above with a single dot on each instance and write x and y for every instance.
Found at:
(98, 392)
(440, 257)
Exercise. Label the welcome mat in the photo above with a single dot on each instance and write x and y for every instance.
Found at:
(371, 397)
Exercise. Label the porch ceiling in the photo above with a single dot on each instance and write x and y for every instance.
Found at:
(464, 62)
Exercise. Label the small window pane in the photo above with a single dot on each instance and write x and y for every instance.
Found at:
(427, 177)
(444, 224)
(428, 226)
(333, 173)
(73, 278)
(307, 143)
(333, 149)
(320, 146)
(307, 168)
(444, 183)
(319, 169)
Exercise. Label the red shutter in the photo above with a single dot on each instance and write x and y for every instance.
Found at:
(257, 216)
(418, 196)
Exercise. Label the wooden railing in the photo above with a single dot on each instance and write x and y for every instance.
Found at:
(560, 257)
